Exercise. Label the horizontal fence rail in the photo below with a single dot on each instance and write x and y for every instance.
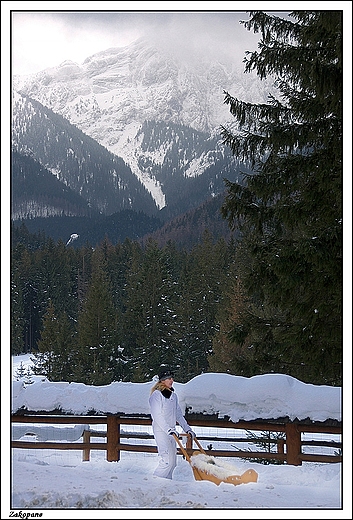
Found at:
(289, 448)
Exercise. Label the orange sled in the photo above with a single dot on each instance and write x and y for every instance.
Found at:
(210, 465)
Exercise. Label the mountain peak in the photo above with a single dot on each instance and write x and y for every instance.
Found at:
(158, 111)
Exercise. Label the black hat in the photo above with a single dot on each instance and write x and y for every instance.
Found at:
(165, 373)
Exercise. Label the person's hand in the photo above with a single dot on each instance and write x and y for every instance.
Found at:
(191, 433)
(172, 431)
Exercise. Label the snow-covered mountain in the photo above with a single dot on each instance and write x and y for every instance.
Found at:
(126, 86)
(88, 176)
(158, 113)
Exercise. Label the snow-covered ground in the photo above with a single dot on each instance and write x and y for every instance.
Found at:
(58, 483)
(60, 480)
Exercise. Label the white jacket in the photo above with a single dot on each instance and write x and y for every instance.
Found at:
(166, 412)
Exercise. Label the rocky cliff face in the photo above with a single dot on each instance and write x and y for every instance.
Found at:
(118, 86)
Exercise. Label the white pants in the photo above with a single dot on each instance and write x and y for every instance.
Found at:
(167, 452)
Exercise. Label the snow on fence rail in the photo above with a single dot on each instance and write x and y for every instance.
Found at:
(289, 446)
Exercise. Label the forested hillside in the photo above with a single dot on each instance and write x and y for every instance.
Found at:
(98, 176)
(185, 231)
(92, 230)
(36, 192)
(116, 312)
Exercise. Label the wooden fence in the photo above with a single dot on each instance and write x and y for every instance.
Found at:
(289, 445)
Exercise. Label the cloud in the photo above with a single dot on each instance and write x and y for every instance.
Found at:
(206, 34)
(42, 40)
(45, 39)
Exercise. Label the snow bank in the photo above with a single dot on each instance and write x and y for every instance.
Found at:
(48, 433)
(268, 396)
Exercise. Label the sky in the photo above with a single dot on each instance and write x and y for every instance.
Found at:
(59, 483)
(45, 38)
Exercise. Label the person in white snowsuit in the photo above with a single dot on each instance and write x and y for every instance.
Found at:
(165, 413)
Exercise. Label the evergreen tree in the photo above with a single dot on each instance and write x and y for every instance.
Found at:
(29, 309)
(290, 208)
(83, 266)
(98, 354)
(150, 309)
(66, 340)
(227, 355)
(43, 359)
(118, 259)
(57, 279)
(56, 347)
(202, 285)
(17, 307)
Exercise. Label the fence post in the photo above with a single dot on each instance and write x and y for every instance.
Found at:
(86, 440)
(280, 446)
(293, 441)
(113, 438)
